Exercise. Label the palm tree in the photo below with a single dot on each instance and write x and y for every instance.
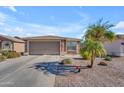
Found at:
(100, 31)
(93, 49)
(95, 36)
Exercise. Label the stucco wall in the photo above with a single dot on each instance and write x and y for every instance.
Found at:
(78, 47)
(63, 47)
(114, 48)
(0, 45)
(19, 47)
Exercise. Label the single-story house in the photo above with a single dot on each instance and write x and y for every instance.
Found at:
(116, 48)
(12, 43)
(51, 45)
(55, 45)
(64, 45)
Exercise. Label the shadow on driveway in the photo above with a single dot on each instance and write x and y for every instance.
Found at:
(56, 68)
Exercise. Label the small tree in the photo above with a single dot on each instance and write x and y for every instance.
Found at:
(100, 31)
(94, 37)
(93, 49)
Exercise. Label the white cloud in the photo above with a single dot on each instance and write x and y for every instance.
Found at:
(32, 29)
(84, 30)
(2, 19)
(119, 32)
(73, 28)
(2, 33)
(85, 18)
(19, 29)
(5, 19)
(1, 23)
(29, 34)
(119, 25)
(12, 8)
(82, 34)
(6, 29)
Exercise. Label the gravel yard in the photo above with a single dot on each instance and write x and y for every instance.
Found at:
(99, 76)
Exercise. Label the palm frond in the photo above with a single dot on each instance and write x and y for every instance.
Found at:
(100, 31)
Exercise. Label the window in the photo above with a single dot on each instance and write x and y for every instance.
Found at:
(71, 46)
(6, 45)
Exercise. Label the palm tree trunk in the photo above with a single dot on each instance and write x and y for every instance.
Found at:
(92, 59)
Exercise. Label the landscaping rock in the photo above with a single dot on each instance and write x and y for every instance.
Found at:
(102, 64)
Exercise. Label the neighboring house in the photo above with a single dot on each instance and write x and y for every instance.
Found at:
(12, 44)
(116, 48)
(51, 45)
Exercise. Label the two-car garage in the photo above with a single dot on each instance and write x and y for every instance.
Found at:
(44, 47)
(48, 45)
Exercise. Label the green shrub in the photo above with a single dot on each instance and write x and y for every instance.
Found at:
(4, 52)
(11, 54)
(2, 58)
(67, 61)
(84, 55)
(108, 58)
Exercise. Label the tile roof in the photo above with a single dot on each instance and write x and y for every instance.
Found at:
(12, 38)
(120, 36)
(50, 37)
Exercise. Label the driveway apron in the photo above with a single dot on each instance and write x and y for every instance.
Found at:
(28, 76)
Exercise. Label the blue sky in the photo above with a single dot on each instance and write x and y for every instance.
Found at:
(63, 21)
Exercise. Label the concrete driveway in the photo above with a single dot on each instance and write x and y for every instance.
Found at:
(20, 72)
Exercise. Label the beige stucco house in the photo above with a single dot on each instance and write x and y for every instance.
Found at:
(116, 48)
(12, 43)
(40, 44)
(51, 45)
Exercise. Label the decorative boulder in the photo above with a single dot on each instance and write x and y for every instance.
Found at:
(102, 64)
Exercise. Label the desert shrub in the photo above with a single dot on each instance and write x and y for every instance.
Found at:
(2, 58)
(11, 54)
(67, 61)
(4, 52)
(108, 58)
(84, 55)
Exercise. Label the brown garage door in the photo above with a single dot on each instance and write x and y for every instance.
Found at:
(37, 48)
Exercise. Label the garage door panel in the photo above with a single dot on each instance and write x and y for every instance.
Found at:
(38, 48)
